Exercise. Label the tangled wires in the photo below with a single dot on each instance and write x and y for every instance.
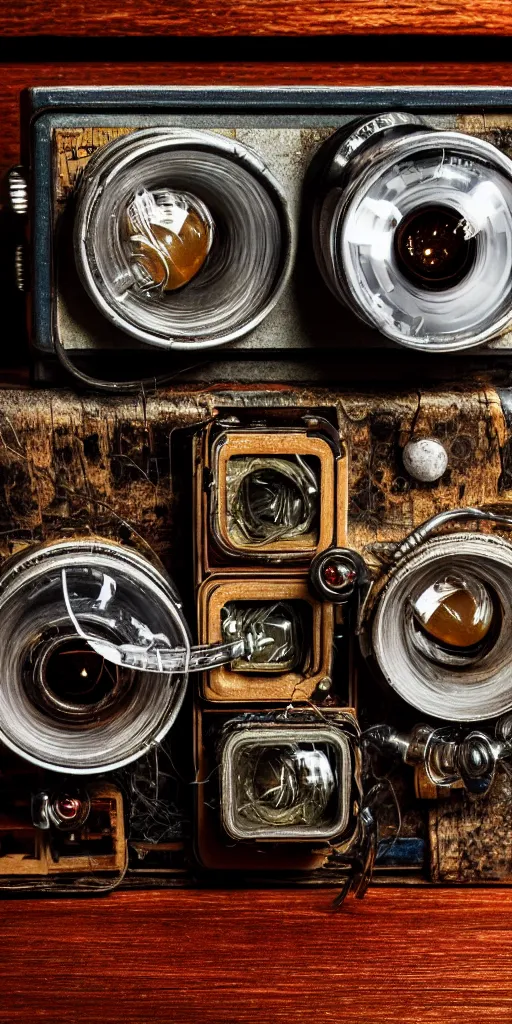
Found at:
(287, 785)
(271, 499)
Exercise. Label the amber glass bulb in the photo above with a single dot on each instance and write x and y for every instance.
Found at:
(431, 247)
(454, 610)
(170, 236)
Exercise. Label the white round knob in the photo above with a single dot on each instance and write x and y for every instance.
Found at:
(425, 459)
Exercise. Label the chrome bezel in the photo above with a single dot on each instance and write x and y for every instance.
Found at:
(347, 184)
(275, 735)
(101, 173)
(32, 565)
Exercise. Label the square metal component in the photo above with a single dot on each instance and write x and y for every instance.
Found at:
(242, 681)
(286, 783)
(276, 461)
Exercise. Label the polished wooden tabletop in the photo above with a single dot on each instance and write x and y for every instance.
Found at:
(254, 17)
(193, 957)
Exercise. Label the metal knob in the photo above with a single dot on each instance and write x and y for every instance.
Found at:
(446, 756)
(337, 573)
(425, 459)
(18, 191)
(476, 760)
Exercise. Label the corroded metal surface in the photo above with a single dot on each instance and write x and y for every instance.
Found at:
(70, 463)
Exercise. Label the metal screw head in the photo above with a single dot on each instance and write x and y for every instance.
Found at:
(425, 459)
(325, 684)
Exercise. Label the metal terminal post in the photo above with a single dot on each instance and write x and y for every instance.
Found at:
(447, 755)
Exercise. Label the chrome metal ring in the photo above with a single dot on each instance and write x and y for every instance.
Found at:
(251, 257)
(480, 689)
(373, 195)
(112, 588)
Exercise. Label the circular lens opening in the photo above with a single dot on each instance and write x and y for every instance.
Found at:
(75, 675)
(432, 248)
(441, 292)
(417, 653)
(52, 714)
(182, 238)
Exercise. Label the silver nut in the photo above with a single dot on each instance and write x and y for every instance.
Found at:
(425, 459)
(18, 191)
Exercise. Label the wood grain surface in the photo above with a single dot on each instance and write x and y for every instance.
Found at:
(442, 957)
(254, 17)
(14, 77)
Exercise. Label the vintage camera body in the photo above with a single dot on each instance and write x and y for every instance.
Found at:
(255, 615)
